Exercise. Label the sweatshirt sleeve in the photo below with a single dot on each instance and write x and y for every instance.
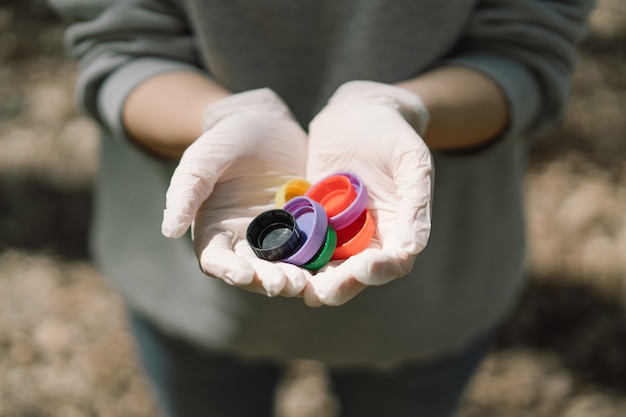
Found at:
(121, 43)
(529, 48)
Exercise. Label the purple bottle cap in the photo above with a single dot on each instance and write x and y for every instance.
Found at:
(312, 222)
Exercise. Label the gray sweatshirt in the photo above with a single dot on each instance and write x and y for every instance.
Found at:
(466, 279)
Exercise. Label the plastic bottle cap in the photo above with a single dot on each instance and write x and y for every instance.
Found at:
(335, 193)
(355, 237)
(274, 235)
(354, 208)
(312, 222)
(326, 251)
(292, 188)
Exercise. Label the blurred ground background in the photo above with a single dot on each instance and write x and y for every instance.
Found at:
(64, 346)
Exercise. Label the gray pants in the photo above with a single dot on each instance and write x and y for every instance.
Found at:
(192, 382)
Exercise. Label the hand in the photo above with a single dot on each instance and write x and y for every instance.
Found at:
(373, 130)
(251, 145)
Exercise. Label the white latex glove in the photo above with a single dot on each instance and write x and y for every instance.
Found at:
(251, 145)
(373, 130)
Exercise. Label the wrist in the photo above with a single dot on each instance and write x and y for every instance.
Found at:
(261, 101)
(163, 113)
(409, 104)
(467, 108)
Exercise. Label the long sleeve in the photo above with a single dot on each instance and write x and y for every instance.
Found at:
(473, 267)
(529, 48)
(119, 44)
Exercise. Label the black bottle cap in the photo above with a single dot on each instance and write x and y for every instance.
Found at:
(274, 235)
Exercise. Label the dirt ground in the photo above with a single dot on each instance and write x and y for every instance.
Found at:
(64, 345)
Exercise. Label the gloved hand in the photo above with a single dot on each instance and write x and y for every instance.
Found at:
(251, 145)
(373, 130)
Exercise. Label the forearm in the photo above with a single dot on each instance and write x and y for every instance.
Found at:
(164, 114)
(467, 109)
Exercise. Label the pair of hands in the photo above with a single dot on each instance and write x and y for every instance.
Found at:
(252, 145)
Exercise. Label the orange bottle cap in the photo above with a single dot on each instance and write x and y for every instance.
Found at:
(335, 193)
(355, 237)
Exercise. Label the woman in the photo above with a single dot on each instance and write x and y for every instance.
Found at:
(388, 90)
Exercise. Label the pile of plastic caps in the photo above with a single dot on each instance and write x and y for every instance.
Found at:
(313, 224)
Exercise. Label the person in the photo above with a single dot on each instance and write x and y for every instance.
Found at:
(208, 106)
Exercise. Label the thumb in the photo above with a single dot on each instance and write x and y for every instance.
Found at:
(191, 184)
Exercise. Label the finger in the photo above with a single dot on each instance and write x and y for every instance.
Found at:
(413, 179)
(375, 266)
(332, 289)
(218, 259)
(270, 275)
(310, 297)
(191, 184)
(295, 277)
(340, 282)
